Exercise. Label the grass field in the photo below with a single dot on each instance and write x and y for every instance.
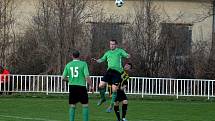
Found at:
(56, 109)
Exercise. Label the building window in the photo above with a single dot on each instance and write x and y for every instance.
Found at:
(175, 49)
(102, 32)
(178, 38)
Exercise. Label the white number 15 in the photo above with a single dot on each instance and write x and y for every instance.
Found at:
(74, 71)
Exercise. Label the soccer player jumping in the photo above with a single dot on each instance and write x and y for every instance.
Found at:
(113, 75)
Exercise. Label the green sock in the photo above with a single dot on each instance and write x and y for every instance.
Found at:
(85, 111)
(71, 113)
(113, 98)
(102, 93)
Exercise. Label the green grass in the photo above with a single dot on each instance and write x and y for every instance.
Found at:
(56, 109)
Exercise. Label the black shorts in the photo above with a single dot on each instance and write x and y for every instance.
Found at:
(120, 96)
(112, 77)
(78, 94)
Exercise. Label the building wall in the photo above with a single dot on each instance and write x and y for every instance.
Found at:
(189, 10)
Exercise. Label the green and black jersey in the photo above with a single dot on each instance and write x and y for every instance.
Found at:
(123, 82)
(125, 78)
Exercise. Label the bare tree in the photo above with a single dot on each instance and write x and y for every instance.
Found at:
(175, 50)
(57, 28)
(199, 56)
(143, 39)
(6, 26)
(209, 72)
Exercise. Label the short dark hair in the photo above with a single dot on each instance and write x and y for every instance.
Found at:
(129, 64)
(75, 53)
(114, 41)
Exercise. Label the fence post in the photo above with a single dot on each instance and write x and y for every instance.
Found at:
(177, 89)
(47, 86)
(212, 88)
(208, 89)
(142, 86)
(13, 83)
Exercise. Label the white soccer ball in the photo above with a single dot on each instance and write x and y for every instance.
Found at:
(119, 3)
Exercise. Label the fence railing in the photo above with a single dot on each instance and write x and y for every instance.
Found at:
(136, 85)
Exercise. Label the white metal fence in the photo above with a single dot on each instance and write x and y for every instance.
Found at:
(136, 85)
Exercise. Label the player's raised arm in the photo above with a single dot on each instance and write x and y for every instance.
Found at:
(100, 60)
(125, 54)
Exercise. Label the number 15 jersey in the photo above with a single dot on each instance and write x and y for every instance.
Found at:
(76, 71)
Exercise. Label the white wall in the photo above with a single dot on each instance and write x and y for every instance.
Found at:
(173, 8)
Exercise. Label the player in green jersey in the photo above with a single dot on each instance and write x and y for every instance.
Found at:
(114, 59)
(77, 74)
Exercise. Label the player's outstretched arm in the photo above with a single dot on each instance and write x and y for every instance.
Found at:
(96, 60)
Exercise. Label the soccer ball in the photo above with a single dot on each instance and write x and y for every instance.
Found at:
(119, 3)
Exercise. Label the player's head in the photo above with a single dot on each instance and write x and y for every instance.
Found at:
(75, 54)
(113, 44)
(128, 66)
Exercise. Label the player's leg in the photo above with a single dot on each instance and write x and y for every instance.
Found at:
(72, 112)
(116, 79)
(102, 87)
(120, 97)
(113, 97)
(84, 102)
(116, 110)
(109, 109)
(124, 105)
(114, 93)
(85, 112)
(102, 90)
(72, 102)
(124, 109)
